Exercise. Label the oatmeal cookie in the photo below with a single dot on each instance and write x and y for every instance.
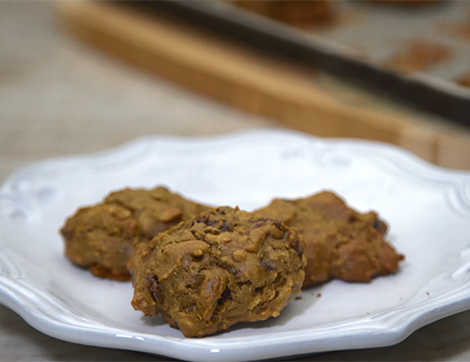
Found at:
(220, 268)
(103, 237)
(339, 241)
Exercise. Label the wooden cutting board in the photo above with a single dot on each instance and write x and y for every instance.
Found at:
(303, 99)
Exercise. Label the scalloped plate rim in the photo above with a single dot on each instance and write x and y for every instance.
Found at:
(187, 347)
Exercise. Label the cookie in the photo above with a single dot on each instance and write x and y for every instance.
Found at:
(295, 12)
(339, 241)
(103, 237)
(222, 267)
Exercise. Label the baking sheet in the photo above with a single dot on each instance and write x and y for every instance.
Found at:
(380, 32)
(335, 52)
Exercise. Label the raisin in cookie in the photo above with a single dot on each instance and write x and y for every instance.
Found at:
(220, 268)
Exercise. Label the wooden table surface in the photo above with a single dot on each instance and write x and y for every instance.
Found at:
(60, 97)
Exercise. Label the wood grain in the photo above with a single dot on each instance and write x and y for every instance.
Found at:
(252, 81)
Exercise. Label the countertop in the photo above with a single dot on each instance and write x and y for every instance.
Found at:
(60, 97)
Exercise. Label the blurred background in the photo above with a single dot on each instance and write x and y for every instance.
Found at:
(60, 96)
(84, 76)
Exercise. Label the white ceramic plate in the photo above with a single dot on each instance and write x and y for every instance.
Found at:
(427, 207)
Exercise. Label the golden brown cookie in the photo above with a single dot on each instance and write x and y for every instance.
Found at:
(294, 12)
(220, 268)
(339, 241)
(103, 237)
(418, 55)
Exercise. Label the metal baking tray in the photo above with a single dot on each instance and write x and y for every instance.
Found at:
(378, 33)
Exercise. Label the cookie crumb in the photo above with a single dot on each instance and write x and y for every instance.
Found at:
(319, 295)
(298, 298)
